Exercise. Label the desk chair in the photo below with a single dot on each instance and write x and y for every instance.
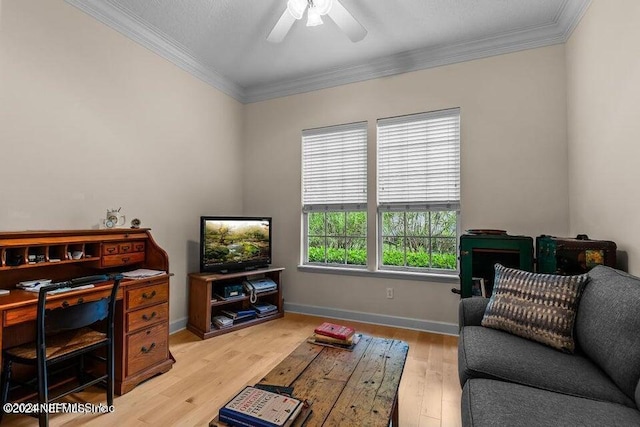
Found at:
(64, 333)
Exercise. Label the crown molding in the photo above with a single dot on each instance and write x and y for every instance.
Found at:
(556, 32)
(142, 33)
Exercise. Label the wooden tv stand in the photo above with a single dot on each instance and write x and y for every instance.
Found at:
(142, 310)
(203, 305)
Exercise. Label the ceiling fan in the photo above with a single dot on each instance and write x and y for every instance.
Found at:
(316, 9)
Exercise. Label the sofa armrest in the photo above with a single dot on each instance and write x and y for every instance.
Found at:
(471, 311)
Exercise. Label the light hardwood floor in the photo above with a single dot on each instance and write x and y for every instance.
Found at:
(207, 373)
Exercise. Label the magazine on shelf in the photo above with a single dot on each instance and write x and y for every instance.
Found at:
(260, 408)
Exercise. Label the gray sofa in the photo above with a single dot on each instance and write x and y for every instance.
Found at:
(511, 381)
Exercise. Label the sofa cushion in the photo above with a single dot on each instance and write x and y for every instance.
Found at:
(608, 325)
(493, 354)
(496, 403)
(471, 311)
(539, 307)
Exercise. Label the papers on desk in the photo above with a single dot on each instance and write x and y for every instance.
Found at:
(141, 273)
(33, 285)
(61, 290)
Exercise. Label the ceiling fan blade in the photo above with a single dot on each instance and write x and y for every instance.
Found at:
(282, 27)
(347, 23)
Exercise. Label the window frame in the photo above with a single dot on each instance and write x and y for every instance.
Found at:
(374, 232)
(416, 206)
(346, 207)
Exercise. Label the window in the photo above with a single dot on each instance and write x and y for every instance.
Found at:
(334, 195)
(419, 191)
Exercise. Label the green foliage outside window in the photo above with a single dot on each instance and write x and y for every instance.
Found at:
(419, 239)
(338, 237)
(410, 239)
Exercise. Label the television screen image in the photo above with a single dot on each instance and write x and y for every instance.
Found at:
(234, 243)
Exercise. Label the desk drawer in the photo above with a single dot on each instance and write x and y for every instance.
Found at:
(110, 249)
(122, 259)
(147, 295)
(142, 318)
(138, 246)
(147, 347)
(29, 312)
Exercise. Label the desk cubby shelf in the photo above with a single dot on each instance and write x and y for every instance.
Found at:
(40, 255)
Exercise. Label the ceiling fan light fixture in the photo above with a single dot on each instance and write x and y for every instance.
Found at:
(313, 17)
(296, 8)
(323, 6)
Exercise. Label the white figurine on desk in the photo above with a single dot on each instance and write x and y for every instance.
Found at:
(114, 219)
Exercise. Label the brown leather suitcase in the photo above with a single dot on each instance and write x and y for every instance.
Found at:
(559, 255)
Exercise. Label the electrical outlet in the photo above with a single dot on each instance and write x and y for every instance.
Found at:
(390, 293)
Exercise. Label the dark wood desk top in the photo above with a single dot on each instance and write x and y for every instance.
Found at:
(19, 298)
(345, 388)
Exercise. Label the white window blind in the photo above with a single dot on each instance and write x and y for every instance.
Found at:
(334, 167)
(419, 161)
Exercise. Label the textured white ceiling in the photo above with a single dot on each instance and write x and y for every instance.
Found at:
(224, 41)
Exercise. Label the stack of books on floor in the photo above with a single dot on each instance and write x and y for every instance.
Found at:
(334, 335)
(222, 322)
(260, 408)
(265, 309)
(240, 315)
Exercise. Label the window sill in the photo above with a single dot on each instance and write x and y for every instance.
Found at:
(384, 274)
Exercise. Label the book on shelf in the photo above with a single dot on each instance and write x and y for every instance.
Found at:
(354, 341)
(222, 321)
(334, 330)
(239, 316)
(219, 297)
(478, 287)
(264, 308)
(254, 407)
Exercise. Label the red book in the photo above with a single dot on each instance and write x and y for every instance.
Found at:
(335, 331)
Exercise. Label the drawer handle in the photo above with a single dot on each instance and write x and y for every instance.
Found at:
(111, 250)
(80, 300)
(148, 296)
(146, 350)
(125, 259)
(147, 318)
(65, 304)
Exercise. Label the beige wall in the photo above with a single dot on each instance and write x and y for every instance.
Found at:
(90, 120)
(603, 97)
(514, 158)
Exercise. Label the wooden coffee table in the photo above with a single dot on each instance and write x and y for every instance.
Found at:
(345, 388)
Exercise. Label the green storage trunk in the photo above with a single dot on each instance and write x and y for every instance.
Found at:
(481, 250)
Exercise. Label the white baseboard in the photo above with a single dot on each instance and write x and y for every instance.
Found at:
(377, 319)
(178, 325)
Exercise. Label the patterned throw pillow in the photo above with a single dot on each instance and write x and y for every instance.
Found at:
(539, 307)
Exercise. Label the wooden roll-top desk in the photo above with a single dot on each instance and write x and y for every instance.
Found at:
(142, 311)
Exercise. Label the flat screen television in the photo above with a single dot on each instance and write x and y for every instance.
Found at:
(230, 243)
